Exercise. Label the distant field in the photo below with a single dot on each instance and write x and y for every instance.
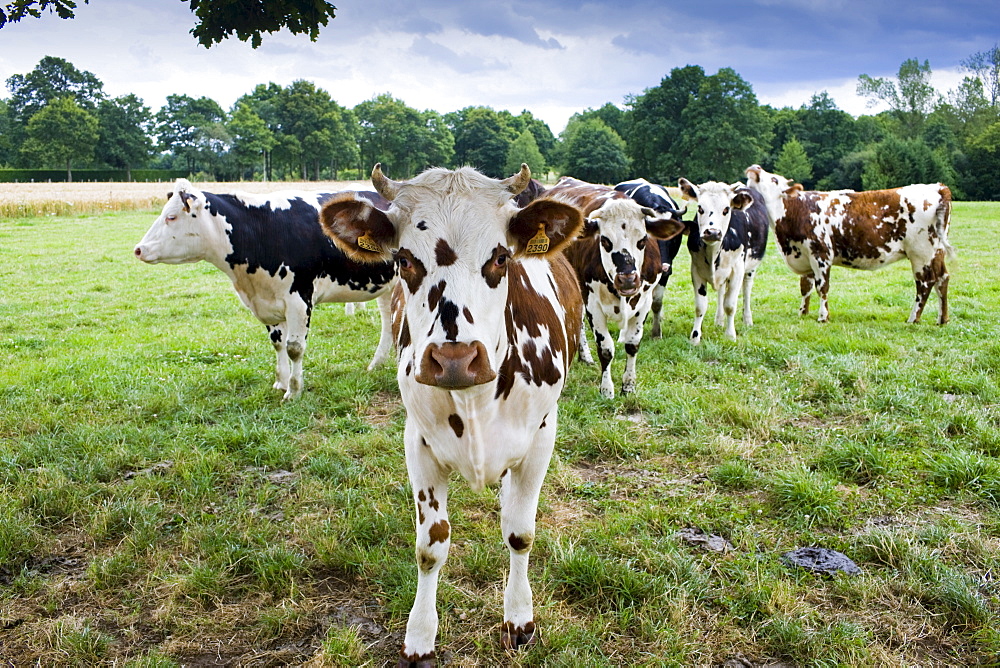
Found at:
(160, 506)
(46, 199)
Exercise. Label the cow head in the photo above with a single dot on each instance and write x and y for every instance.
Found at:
(453, 236)
(184, 230)
(773, 187)
(716, 202)
(623, 228)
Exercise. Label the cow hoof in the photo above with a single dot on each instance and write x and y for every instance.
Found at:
(414, 661)
(513, 638)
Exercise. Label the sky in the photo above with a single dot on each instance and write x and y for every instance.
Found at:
(552, 57)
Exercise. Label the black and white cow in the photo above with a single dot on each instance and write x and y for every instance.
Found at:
(281, 264)
(619, 270)
(485, 316)
(656, 197)
(727, 241)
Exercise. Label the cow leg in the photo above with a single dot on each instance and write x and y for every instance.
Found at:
(430, 496)
(605, 347)
(583, 345)
(297, 312)
(700, 306)
(729, 300)
(278, 339)
(941, 287)
(822, 289)
(747, 290)
(806, 288)
(657, 310)
(384, 347)
(518, 504)
(928, 273)
(631, 336)
(720, 308)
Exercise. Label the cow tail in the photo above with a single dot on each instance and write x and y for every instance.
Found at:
(944, 221)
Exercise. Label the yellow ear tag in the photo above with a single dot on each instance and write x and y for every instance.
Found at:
(367, 243)
(538, 243)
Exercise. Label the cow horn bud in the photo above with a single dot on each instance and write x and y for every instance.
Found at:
(515, 184)
(385, 187)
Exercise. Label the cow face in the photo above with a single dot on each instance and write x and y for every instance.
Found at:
(774, 189)
(716, 202)
(184, 231)
(453, 236)
(623, 229)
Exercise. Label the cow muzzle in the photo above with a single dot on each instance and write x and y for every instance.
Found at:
(143, 254)
(711, 236)
(627, 284)
(454, 366)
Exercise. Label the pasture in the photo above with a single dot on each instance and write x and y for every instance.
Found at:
(159, 505)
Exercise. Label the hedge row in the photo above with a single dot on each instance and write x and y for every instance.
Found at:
(82, 175)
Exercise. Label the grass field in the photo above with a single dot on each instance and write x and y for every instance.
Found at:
(159, 505)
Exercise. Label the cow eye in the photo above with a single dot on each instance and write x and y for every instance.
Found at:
(725, 212)
(403, 262)
(642, 243)
(701, 210)
(500, 260)
(171, 218)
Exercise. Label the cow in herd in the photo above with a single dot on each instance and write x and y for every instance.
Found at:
(727, 240)
(486, 318)
(617, 261)
(281, 264)
(860, 230)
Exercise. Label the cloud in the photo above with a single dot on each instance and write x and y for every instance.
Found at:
(442, 55)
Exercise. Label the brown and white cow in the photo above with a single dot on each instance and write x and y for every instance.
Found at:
(485, 318)
(861, 230)
(619, 268)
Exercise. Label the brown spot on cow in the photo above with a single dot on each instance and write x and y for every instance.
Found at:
(444, 254)
(426, 561)
(519, 543)
(434, 503)
(439, 532)
(456, 424)
(496, 267)
(434, 295)
(468, 315)
(411, 270)
(421, 496)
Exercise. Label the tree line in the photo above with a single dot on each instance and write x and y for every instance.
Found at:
(693, 124)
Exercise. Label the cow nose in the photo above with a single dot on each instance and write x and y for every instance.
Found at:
(711, 235)
(627, 283)
(455, 365)
(138, 252)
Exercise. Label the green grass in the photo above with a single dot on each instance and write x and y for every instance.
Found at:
(160, 506)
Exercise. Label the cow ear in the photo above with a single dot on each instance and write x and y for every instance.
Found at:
(793, 190)
(187, 199)
(361, 230)
(544, 227)
(688, 189)
(662, 227)
(742, 199)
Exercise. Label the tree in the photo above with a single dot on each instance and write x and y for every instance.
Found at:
(827, 135)
(594, 152)
(61, 132)
(524, 149)
(6, 134)
(898, 162)
(482, 139)
(403, 139)
(725, 129)
(192, 129)
(124, 124)
(654, 126)
(910, 97)
(793, 161)
(986, 66)
(51, 79)
(252, 139)
(217, 19)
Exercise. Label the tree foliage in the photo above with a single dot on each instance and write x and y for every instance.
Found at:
(793, 162)
(594, 152)
(216, 19)
(898, 162)
(986, 66)
(124, 124)
(910, 97)
(525, 150)
(61, 133)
